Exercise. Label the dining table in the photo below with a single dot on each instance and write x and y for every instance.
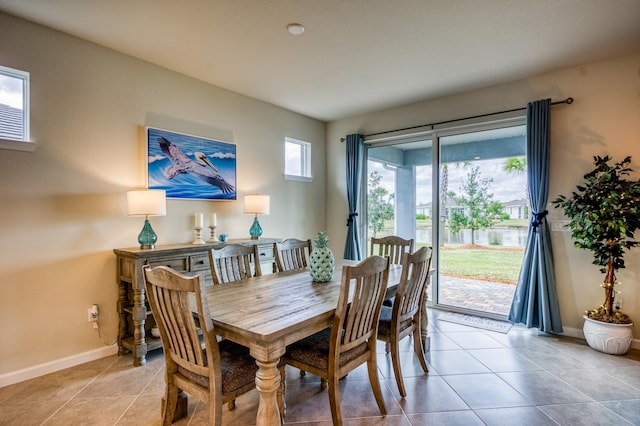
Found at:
(269, 312)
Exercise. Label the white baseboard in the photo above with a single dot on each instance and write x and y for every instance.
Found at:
(577, 333)
(56, 365)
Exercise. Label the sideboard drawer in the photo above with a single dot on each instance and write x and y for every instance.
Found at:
(199, 262)
(180, 264)
(265, 252)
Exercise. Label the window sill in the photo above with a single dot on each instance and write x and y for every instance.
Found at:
(298, 178)
(17, 145)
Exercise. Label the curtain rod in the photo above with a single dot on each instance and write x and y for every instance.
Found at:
(567, 101)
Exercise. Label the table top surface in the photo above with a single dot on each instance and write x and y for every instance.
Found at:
(273, 306)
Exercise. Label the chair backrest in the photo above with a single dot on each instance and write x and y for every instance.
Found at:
(169, 294)
(234, 262)
(292, 254)
(413, 284)
(356, 320)
(392, 246)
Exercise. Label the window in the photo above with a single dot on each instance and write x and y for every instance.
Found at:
(14, 110)
(297, 160)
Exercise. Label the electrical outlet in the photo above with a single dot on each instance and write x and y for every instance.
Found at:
(92, 313)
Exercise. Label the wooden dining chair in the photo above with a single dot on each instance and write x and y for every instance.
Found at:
(392, 246)
(215, 374)
(292, 254)
(351, 339)
(403, 319)
(234, 262)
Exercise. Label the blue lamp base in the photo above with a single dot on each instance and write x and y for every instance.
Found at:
(147, 237)
(256, 230)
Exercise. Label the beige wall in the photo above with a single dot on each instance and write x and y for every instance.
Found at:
(604, 119)
(63, 207)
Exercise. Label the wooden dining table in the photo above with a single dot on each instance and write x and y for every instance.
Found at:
(268, 313)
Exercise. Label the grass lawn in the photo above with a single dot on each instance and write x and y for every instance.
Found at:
(490, 264)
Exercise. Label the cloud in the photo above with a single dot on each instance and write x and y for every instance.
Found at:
(154, 158)
(223, 155)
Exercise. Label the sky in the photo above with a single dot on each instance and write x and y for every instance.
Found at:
(505, 187)
(11, 91)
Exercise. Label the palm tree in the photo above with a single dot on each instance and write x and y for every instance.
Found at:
(518, 166)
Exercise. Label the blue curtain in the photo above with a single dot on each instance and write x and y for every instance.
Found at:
(535, 302)
(355, 148)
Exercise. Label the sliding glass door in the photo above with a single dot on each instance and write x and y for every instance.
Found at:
(462, 191)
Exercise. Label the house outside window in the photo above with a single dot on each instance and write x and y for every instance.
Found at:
(297, 160)
(14, 110)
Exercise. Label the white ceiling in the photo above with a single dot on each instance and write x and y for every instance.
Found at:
(355, 56)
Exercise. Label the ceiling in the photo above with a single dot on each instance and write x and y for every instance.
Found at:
(355, 56)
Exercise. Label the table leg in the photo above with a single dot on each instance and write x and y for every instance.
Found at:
(267, 384)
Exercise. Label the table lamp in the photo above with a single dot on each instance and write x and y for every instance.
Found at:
(256, 204)
(147, 203)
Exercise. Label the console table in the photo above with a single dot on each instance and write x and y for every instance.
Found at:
(189, 259)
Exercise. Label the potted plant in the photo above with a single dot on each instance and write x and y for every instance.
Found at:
(604, 214)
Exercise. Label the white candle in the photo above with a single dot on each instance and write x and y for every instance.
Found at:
(213, 220)
(199, 220)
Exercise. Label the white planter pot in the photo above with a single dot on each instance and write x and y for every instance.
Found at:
(614, 339)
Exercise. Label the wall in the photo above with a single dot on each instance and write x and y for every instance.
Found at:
(64, 205)
(602, 120)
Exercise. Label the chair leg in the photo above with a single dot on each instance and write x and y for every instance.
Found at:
(372, 369)
(215, 410)
(334, 402)
(419, 350)
(397, 369)
(170, 403)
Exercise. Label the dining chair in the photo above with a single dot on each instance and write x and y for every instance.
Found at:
(403, 319)
(214, 372)
(292, 254)
(392, 246)
(351, 339)
(234, 262)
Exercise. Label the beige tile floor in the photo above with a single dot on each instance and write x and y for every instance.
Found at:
(476, 377)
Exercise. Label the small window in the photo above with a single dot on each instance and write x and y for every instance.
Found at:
(14, 109)
(297, 160)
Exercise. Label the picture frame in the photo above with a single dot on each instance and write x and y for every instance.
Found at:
(190, 167)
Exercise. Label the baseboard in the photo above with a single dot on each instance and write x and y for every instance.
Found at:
(56, 365)
(577, 333)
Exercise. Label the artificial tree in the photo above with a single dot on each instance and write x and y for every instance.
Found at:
(604, 214)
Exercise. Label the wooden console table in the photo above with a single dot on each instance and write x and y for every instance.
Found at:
(134, 331)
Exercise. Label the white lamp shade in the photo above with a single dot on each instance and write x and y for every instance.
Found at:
(152, 202)
(256, 204)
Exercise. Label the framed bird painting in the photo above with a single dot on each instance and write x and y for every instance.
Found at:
(190, 167)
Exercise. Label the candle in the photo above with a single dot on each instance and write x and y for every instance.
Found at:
(199, 220)
(213, 220)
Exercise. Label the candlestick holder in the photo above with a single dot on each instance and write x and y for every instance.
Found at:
(198, 239)
(213, 239)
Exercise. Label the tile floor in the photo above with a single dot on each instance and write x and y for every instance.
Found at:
(476, 377)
